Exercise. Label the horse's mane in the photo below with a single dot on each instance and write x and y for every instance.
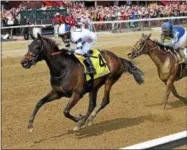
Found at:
(54, 46)
(164, 47)
(52, 43)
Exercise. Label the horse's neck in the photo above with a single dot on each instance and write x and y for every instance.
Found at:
(158, 57)
(57, 64)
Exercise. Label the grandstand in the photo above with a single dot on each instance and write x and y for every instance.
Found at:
(42, 12)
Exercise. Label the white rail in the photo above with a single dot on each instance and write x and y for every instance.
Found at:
(159, 141)
(141, 20)
(104, 22)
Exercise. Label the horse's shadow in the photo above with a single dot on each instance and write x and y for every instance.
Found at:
(103, 127)
(108, 125)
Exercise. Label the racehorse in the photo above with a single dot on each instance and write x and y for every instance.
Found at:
(167, 62)
(68, 78)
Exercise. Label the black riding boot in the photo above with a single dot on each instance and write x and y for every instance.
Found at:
(91, 69)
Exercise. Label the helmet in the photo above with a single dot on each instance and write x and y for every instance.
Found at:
(57, 14)
(36, 31)
(63, 28)
(166, 26)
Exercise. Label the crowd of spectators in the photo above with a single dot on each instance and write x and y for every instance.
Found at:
(126, 12)
(108, 13)
(12, 16)
(80, 11)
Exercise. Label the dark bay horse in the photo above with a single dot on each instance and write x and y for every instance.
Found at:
(167, 63)
(68, 78)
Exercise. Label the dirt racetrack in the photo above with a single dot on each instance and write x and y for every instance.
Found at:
(134, 115)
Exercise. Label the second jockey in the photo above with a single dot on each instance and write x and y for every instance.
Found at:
(177, 37)
(83, 38)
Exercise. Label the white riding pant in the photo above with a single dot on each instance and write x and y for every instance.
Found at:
(56, 26)
(182, 41)
(88, 44)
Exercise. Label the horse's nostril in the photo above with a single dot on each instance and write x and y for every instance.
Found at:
(23, 62)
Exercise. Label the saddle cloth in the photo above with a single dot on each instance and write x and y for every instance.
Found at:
(185, 53)
(98, 62)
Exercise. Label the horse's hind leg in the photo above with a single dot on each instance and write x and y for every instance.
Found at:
(92, 104)
(175, 93)
(48, 98)
(105, 101)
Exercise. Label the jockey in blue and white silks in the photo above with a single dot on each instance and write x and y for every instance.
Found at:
(83, 38)
(177, 37)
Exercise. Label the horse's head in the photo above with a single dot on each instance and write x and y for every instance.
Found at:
(35, 52)
(141, 47)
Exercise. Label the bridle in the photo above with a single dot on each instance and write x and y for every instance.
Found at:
(35, 56)
(146, 51)
(140, 50)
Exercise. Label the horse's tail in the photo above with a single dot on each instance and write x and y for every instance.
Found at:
(132, 69)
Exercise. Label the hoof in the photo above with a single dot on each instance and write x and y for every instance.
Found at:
(30, 130)
(30, 127)
(76, 128)
(93, 114)
(90, 122)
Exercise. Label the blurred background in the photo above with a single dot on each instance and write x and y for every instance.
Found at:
(51, 13)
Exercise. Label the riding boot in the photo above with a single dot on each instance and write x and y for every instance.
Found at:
(184, 59)
(91, 69)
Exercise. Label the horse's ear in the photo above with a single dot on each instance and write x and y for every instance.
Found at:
(149, 36)
(39, 36)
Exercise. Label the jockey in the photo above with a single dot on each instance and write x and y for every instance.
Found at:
(83, 38)
(177, 36)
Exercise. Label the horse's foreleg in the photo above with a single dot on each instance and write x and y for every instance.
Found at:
(169, 85)
(175, 93)
(92, 104)
(73, 101)
(49, 97)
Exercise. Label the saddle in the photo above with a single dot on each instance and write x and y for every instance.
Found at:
(98, 62)
(178, 57)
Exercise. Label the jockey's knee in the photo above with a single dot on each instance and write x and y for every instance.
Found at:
(80, 52)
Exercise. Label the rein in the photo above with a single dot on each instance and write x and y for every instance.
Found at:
(56, 53)
(150, 50)
(164, 51)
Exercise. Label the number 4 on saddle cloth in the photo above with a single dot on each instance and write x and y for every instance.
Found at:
(98, 62)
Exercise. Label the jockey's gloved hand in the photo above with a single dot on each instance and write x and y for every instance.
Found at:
(158, 41)
(155, 40)
(64, 49)
(68, 49)
(70, 52)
